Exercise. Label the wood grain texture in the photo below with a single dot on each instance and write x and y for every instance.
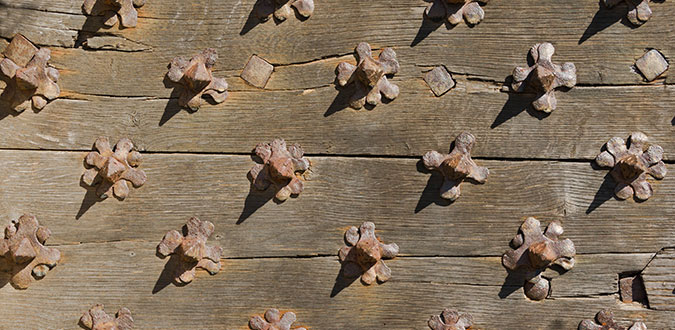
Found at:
(400, 199)
(659, 280)
(127, 273)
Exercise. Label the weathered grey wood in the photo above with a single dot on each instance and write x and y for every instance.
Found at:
(481, 51)
(402, 201)
(127, 273)
(659, 280)
(413, 124)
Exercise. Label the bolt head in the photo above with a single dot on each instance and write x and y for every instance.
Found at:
(113, 169)
(368, 252)
(369, 72)
(630, 167)
(541, 254)
(281, 168)
(543, 78)
(456, 167)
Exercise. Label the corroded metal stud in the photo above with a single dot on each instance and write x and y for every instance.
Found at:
(544, 77)
(97, 319)
(604, 320)
(439, 80)
(369, 76)
(194, 79)
(535, 251)
(24, 251)
(279, 166)
(456, 166)
(450, 320)
(364, 253)
(630, 165)
(281, 9)
(454, 10)
(30, 80)
(273, 320)
(652, 64)
(257, 71)
(191, 249)
(111, 170)
(638, 10)
(111, 9)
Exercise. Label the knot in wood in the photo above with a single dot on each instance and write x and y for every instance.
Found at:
(454, 11)
(281, 167)
(604, 320)
(191, 250)
(638, 10)
(450, 320)
(97, 319)
(456, 166)
(363, 254)
(112, 9)
(543, 77)
(368, 79)
(111, 170)
(630, 163)
(281, 9)
(24, 251)
(29, 78)
(274, 320)
(535, 250)
(194, 78)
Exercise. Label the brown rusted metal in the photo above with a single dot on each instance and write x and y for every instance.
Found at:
(29, 79)
(369, 76)
(452, 11)
(257, 71)
(638, 10)
(97, 319)
(194, 79)
(274, 320)
(456, 166)
(111, 9)
(652, 64)
(450, 320)
(535, 251)
(111, 170)
(191, 249)
(24, 253)
(439, 80)
(363, 255)
(281, 9)
(544, 77)
(279, 166)
(631, 164)
(632, 289)
(604, 320)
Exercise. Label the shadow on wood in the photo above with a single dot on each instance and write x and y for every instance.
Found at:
(263, 8)
(604, 193)
(172, 107)
(255, 200)
(604, 18)
(90, 198)
(432, 191)
(517, 103)
(428, 26)
(515, 279)
(342, 281)
(168, 274)
(93, 24)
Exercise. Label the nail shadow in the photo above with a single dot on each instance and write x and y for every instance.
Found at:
(5, 108)
(167, 275)
(5, 272)
(515, 279)
(92, 25)
(251, 22)
(428, 26)
(604, 18)
(604, 193)
(254, 201)
(172, 107)
(432, 191)
(672, 121)
(517, 103)
(341, 282)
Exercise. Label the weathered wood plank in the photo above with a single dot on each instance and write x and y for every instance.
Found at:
(177, 26)
(413, 124)
(402, 201)
(659, 280)
(127, 274)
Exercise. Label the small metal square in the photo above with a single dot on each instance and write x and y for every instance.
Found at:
(439, 80)
(652, 64)
(257, 71)
(20, 50)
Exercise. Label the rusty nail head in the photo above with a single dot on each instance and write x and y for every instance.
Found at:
(191, 250)
(280, 167)
(439, 80)
(543, 249)
(97, 319)
(638, 10)
(281, 9)
(273, 319)
(456, 166)
(111, 9)
(453, 11)
(450, 320)
(630, 165)
(368, 79)
(604, 320)
(24, 252)
(29, 78)
(544, 77)
(257, 71)
(363, 255)
(652, 64)
(632, 289)
(194, 79)
(111, 170)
